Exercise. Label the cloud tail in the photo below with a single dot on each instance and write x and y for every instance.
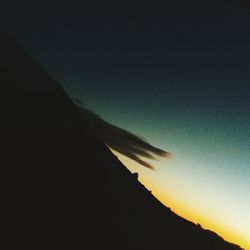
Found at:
(122, 141)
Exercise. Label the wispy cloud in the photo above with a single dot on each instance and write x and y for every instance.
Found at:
(123, 141)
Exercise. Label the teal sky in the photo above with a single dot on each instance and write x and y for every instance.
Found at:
(181, 80)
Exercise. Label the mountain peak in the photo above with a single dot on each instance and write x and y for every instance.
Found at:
(62, 187)
(19, 70)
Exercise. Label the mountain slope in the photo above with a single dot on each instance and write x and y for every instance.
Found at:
(62, 187)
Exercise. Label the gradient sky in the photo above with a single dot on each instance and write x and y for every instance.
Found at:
(180, 80)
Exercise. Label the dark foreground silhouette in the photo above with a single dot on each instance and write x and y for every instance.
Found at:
(245, 3)
(62, 188)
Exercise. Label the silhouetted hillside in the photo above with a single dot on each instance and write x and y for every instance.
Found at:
(62, 187)
(245, 3)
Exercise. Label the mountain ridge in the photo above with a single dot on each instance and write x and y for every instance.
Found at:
(62, 186)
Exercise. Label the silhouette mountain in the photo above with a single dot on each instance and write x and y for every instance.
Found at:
(62, 188)
(245, 3)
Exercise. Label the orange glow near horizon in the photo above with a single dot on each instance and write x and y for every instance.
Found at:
(172, 198)
(206, 223)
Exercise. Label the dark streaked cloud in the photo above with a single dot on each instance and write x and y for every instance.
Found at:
(123, 141)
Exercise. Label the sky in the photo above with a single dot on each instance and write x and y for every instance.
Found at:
(179, 79)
